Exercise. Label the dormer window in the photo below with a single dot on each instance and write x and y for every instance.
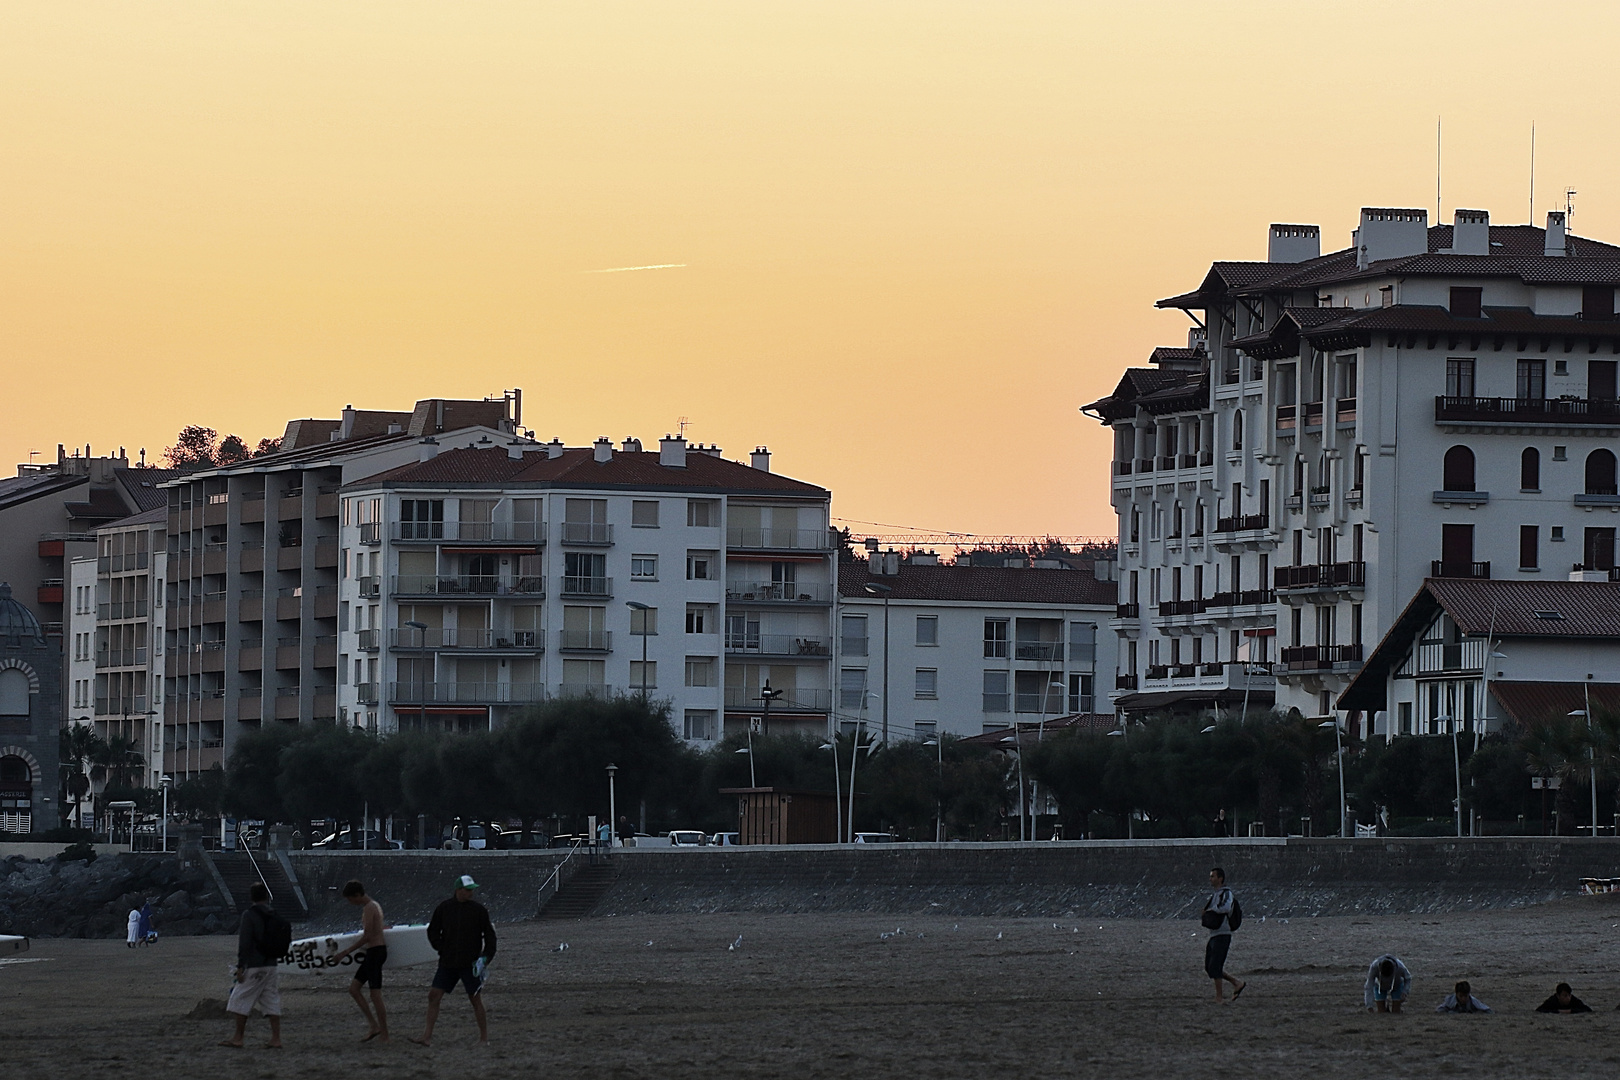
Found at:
(1466, 301)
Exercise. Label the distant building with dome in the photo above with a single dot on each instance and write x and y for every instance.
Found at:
(30, 717)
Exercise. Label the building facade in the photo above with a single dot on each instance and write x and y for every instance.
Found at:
(30, 718)
(926, 649)
(1428, 402)
(485, 578)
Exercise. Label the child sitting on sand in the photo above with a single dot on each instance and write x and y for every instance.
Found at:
(1388, 983)
(1462, 1000)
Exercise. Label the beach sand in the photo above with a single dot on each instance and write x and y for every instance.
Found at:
(829, 996)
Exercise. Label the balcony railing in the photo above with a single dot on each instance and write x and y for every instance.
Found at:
(1167, 461)
(778, 592)
(483, 532)
(587, 533)
(1122, 468)
(1245, 598)
(370, 640)
(1346, 411)
(792, 700)
(1038, 650)
(466, 585)
(1342, 575)
(746, 539)
(1127, 611)
(1526, 410)
(370, 586)
(1440, 656)
(1285, 417)
(120, 658)
(1450, 569)
(406, 638)
(1313, 414)
(1319, 657)
(1242, 523)
(371, 535)
(779, 645)
(587, 586)
(465, 693)
(1168, 608)
(1156, 672)
(123, 609)
(1124, 682)
(1612, 571)
(1055, 702)
(585, 640)
(367, 693)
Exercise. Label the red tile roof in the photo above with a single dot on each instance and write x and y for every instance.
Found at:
(1031, 731)
(1528, 703)
(578, 468)
(983, 585)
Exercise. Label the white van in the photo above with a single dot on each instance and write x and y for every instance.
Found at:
(687, 838)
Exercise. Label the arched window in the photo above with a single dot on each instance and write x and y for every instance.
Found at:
(1175, 522)
(1458, 469)
(13, 692)
(1237, 430)
(1600, 473)
(14, 771)
(1530, 469)
(1198, 518)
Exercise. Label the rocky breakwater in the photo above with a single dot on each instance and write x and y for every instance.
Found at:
(75, 898)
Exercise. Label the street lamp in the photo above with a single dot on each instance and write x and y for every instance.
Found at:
(421, 670)
(643, 608)
(1018, 748)
(838, 788)
(767, 695)
(164, 783)
(1591, 752)
(939, 797)
(1338, 751)
(874, 588)
(749, 750)
(1456, 764)
(613, 806)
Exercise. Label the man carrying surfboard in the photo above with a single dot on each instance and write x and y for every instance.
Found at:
(369, 973)
(464, 937)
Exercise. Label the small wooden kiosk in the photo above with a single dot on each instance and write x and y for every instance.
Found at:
(771, 815)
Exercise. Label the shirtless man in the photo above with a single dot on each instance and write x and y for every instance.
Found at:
(369, 973)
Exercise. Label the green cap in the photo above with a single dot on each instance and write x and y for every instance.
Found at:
(465, 881)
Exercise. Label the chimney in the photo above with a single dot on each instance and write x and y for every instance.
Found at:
(672, 451)
(554, 449)
(712, 449)
(394, 429)
(760, 459)
(346, 427)
(1390, 234)
(883, 563)
(514, 449)
(631, 445)
(1555, 244)
(427, 449)
(604, 449)
(923, 558)
(1294, 243)
(1471, 233)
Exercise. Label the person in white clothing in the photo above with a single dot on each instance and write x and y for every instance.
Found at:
(1217, 918)
(1388, 984)
(133, 932)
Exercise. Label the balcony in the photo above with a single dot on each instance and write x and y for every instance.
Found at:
(366, 693)
(523, 533)
(777, 592)
(1513, 412)
(1609, 573)
(1301, 658)
(1043, 651)
(740, 539)
(465, 693)
(1127, 611)
(371, 533)
(1295, 501)
(370, 587)
(466, 585)
(1345, 410)
(1054, 703)
(1439, 657)
(587, 534)
(1245, 598)
(585, 641)
(369, 640)
(1122, 468)
(1320, 577)
(1285, 418)
(1456, 569)
(1610, 497)
(779, 645)
(406, 638)
(792, 700)
(1242, 523)
(1166, 461)
(1463, 498)
(1158, 672)
(1169, 608)
(123, 609)
(1313, 414)
(587, 587)
(1124, 682)
(49, 591)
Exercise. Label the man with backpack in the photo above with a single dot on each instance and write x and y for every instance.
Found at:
(260, 944)
(1221, 916)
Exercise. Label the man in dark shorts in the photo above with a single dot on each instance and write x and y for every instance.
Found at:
(463, 936)
(369, 973)
(1217, 917)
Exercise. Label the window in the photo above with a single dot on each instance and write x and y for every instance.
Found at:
(1600, 379)
(1532, 380)
(1081, 692)
(1466, 301)
(644, 514)
(1457, 470)
(697, 619)
(1082, 643)
(1597, 302)
(1459, 378)
(925, 730)
(1237, 430)
(928, 630)
(927, 683)
(421, 519)
(1599, 549)
(1136, 525)
(1557, 534)
(700, 671)
(699, 566)
(995, 692)
(995, 638)
(1529, 547)
(644, 622)
(742, 632)
(1600, 472)
(644, 567)
(852, 635)
(703, 513)
(701, 725)
(1456, 550)
(852, 688)
(643, 674)
(1530, 469)
(1560, 453)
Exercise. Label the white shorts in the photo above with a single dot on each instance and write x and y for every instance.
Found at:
(260, 986)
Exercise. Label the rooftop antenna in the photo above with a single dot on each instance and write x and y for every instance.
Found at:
(32, 454)
(681, 423)
(1532, 172)
(1569, 211)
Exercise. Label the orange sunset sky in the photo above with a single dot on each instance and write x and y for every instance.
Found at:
(916, 237)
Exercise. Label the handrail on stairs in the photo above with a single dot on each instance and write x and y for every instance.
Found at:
(556, 872)
(255, 864)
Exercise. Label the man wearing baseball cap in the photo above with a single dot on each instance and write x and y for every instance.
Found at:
(463, 936)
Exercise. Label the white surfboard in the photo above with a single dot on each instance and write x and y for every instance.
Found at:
(10, 943)
(407, 947)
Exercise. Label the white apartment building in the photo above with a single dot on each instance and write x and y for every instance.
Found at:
(925, 648)
(490, 575)
(1427, 402)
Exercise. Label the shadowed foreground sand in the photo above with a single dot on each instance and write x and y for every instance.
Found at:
(828, 996)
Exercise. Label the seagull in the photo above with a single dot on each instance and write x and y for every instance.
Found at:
(998, 935)
(649, 944)
(563, 947)
(735, 945)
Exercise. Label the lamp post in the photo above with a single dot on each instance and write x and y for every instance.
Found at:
(1016, 739)
(767, 695)
(838, 788)
(1338, 751)
(938, 741)
(164, 783)
(873, 588)
(613, 807)
(1456, 764)
(643, 608)
(749, 750)
(1591, 752)
(1130, 819)
(421, 671)
(853, 757)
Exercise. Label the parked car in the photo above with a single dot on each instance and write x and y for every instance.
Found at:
(565, 840)
(687, 838)
(725, 839)
(874, 838)
(514, 839)
(474, 837)
(349, 839)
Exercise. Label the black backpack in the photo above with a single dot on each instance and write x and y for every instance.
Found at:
(277, 939)
(1235, 919)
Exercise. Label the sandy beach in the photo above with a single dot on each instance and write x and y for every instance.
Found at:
(830, 996)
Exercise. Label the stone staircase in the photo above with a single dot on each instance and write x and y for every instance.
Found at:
(235, 869)
(580, 894)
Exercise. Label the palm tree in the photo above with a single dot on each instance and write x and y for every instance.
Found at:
(79, 746)
(1560, 748)
(116, 758)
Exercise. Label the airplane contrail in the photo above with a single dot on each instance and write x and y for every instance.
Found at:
(623, 269)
